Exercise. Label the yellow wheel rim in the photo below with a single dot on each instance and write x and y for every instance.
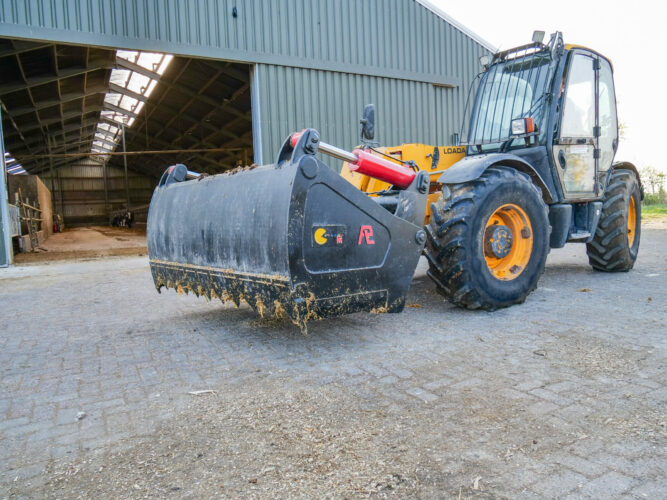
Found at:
(508, 242)
(632, 221)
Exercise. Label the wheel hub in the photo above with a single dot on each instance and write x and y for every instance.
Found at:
(508, 242)
(498, 240)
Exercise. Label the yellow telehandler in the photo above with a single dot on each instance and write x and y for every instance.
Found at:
(535, 171)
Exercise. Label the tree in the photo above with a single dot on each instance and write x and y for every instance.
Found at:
(653, 179)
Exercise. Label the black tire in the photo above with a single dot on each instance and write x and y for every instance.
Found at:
(456, 239)
(610, 249)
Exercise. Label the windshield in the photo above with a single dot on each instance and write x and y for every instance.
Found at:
(508, 90)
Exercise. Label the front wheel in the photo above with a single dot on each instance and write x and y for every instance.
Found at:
(488, 240)
(616, 242)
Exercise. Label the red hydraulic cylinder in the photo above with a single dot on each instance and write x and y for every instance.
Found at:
(367, 164)
(382, 169)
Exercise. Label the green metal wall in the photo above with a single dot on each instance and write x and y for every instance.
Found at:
(317, 61)
(406, 111)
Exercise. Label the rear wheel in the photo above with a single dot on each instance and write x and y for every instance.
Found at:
(616, 241)
(488, 240)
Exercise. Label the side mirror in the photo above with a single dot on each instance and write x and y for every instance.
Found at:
(368, 123)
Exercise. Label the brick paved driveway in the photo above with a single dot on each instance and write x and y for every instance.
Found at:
(564, 395)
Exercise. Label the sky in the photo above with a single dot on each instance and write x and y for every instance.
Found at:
(630, 34)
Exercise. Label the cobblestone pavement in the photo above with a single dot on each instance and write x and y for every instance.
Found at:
(562, 396)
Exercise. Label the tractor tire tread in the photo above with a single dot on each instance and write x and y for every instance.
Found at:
(609, 250)
(447, 246)
(447, 224)
(612, 217)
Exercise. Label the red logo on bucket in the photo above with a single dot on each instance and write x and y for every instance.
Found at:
(366, 233)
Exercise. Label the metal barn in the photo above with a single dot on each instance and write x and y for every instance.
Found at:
(218, 83)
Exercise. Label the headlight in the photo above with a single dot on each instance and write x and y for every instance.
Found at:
(523, 126)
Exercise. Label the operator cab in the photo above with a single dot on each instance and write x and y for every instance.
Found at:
(554, 106)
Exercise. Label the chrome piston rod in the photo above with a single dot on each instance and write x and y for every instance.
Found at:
(339, 153)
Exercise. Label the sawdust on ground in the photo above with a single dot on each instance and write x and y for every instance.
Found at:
(86, 243)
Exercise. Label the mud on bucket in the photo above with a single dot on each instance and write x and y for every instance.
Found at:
(292, 239)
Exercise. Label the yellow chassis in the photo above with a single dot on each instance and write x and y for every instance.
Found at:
(423, 156)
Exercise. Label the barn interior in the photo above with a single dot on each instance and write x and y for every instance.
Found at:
(88, 132)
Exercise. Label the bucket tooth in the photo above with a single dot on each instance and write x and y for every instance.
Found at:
(279, 310)
(191, 279)
(203, 281)
(263, 309)
(267, 306)
(221, 287)
(236, 297)
(158, 280)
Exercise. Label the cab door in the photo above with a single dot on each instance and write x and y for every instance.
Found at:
(577, 149)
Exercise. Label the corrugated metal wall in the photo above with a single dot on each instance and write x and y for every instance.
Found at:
(294, 98)
(78, 192)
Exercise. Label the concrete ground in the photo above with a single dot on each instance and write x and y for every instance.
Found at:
(109, 389)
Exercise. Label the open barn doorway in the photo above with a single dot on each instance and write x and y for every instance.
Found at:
(88, 132)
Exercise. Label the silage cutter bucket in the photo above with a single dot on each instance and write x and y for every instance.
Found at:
(292, 239)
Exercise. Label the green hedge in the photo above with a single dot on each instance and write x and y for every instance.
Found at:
(655, 199)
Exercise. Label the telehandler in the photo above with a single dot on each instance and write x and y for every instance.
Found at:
(297, 239)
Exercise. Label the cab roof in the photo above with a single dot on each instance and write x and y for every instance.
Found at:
(573, 46)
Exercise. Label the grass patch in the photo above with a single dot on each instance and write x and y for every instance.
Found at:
(654, 211)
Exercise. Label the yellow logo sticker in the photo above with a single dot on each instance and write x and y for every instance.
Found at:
(328, 235)
(319, 236)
